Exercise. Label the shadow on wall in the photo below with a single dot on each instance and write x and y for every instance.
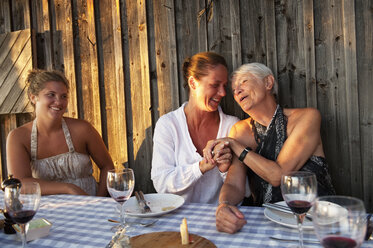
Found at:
(142, 164)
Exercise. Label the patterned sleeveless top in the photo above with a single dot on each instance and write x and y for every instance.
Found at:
(71, 167)
(270, 141)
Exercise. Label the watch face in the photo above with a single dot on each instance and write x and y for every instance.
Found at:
(243, 153)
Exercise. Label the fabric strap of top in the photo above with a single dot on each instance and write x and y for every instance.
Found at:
(69, 142)
(34, 139)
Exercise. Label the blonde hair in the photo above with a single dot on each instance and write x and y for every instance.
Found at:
(37, 78)
(199, 64)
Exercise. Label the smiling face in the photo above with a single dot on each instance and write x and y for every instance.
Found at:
(51, 100)
(248, 91)
(209, 90)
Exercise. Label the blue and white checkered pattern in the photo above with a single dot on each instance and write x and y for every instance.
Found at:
(82, 221)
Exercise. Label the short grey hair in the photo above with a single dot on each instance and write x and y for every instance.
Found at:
(259, 71)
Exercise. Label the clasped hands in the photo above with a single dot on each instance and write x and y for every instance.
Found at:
(216, 154)
(229, 218)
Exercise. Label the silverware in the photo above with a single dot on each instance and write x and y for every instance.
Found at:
(311, 241)
(284, 209)
(142, 203)
(144, 224)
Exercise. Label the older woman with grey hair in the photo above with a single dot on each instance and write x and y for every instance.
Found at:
(271, 142)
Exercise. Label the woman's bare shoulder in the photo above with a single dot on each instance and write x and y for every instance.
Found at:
(242, 129)
(304, 118)
(302, 114)
(79, 124)
(21, 134)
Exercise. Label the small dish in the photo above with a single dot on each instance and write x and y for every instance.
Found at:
(285, 219)
(38, 228)
(159, 204)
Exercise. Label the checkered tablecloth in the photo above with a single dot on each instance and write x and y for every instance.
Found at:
(82, 221)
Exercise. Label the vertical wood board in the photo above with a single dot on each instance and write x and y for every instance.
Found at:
(166, 60)
(140, 93)
(113, 81)
(191, 36)
(364, 50)
(63, 19)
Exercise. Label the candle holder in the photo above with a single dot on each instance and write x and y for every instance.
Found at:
(8, 222)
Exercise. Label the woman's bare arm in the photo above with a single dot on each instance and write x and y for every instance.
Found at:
(18, 164)
(97, 150)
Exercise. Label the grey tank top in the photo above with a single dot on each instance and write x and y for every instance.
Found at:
(70, 167)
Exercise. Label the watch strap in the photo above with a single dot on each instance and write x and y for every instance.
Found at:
(244, 153)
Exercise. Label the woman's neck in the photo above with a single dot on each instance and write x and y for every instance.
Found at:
(47, 127)
(197, 117)
(264, 113)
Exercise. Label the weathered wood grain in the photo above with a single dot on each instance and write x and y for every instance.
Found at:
(64, 44)
(166, 60)
(222, 36)
(22, 103)
(6, 56)
(309, 53)
(4, 17)
(252, 31)
(15, 82)
(191, 35)
(339, 126)
(291, 54)
(20, 14)
(113, 81)
(18, 53)
(140, 93)
(87, 66)
(364, 52)
(350, 95)
(41, 24)
(7, 124)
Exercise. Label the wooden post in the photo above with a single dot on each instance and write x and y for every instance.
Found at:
(63, 47)
(364, 49)
(140, 93)
(113, 80)
(191, 35)
(165, 49)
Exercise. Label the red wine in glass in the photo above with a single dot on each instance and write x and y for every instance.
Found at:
(299, 206)
(21, 202)
(299, 189)
(339, 221)
(22, 216)
(338, 242)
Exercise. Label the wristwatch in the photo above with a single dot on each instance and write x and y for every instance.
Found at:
(243, 154)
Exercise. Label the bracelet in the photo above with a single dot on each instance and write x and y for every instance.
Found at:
(223, 202)
(243, 154)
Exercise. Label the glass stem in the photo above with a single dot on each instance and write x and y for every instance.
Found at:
(300, 218)
(23, 234)
(122, 217)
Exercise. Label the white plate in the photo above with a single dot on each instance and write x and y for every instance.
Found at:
(285, 219)
(159, 204)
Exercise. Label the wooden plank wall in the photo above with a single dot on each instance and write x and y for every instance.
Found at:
(124, 61)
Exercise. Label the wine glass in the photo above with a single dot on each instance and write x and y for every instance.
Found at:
(120, 184)
(299, 190)
(339, 221)
(21, 203)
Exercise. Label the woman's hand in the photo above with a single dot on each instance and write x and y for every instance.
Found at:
(72, 189)
(229, 219)
(218, 151)
(216, 154)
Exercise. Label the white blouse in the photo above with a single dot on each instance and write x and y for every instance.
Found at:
(175, 164)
